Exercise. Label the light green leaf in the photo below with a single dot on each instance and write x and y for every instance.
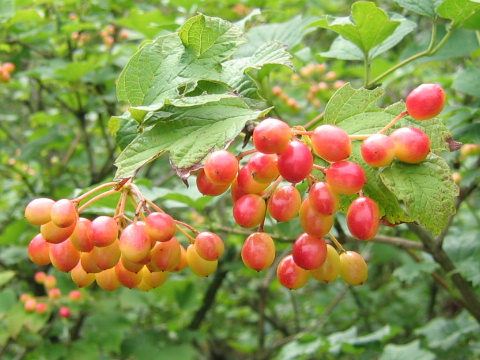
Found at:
(367, 26)
(427, 185)
(410, 351)
(74, 71)
(346, 50)
(189, 134)
(458, 10)
(412, 271)
(422, 7)
(467, 81)
(147, 23)
(6, 276)
(7, 9)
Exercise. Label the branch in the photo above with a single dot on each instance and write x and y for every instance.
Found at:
(41, 52)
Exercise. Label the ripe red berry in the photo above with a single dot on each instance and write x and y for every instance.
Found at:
(353, 268)
(221, 167)
(323, 199)
(425, 101)
(80, 277)
(64, 256)
(107, 279)
(166, 255)
(134, 243)
(277, 90)
(75, 295)
(79, 237)
(41, 308)
(345, 177)
(160, 227)
(54, 234)
(209, 246)
(363, 218)
(284, 204)
(183, 260)
(38, 210)
(103, 231)
(290, 274)
(30, 304)
(263, 167)
(309, 252)
(63, 213)
(64, 312)
(127, 278)
(247, 183)
(296, 162)
(249, 211)
(40, 277)
(199, 265)
(206, 187)
(258, 251)
(271, 136)
(412, 145)
(378, 150)
(39, 250)
(312, 222)
(331, 143)
(105, 257)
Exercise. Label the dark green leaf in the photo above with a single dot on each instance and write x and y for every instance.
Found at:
(458, 10)
(467, 81)
(411, 351)
(422, 7)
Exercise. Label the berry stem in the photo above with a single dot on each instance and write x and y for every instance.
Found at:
(191, 239)
(359, 137)
(88, 193)
(272, 188)
(391, 123)
(246, 153)
(321, 168)
(189, 227)
(153, 205)
(297, 132)
(98, 197)
(336, 242)
(137, 206)
(314, 120)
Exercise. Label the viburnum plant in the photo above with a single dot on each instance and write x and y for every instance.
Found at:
(191, 94)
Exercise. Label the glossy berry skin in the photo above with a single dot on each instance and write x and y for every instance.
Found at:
(80, 277)
(127, 278)
(271, 136)
(30, 304)
(54, 234)
(353, 268)
(412, 145)
(323, 199)
(75, 295)
(425, 101)
(63, 213)
(160, 227)
(39, 250)
(183, 260)
(235, 191)
(40, 277)
(247, 183)
(290, 274)
(103, 231)
(107, 280)
(134, 243)
(152, 279)
(258, 251)
(296, 162)
(79, 237)
(206, 187)
(330, 269)
(64, 256)
(309, 252)
(50, 282)
(221, 167)
(312, 222)
(263, 167)
(88, 263)
(166, 255)
(106, 257)
(378, 150)
(363, 218)
(64, 312)
(249, 211)
(41, 308)
(198, 265)
(209, 246)
(284, 204)
(38, 210)
(331, 143)
(345, 177)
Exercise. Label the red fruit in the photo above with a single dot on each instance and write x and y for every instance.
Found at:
(88, 264)
(4, 75)
(284, 204)
(198, 265)
(50, 282)
(271, 136)
(106, 257)
(331, 143)
(127, 278)
(323, 199)
(30, 304)
(309, 252)
(209, 246)
(107, 280)
(166, 255)
(353, 268)
(134, 243)
(80, 276)
(277, 90)
(160, 227)
(39, 250)
(103, 231)
(75, 295)
(412, 145)
(25, 297)
(38, 210)
(247, 183)
(221, 167)
(64, 312)
(183, 260)
(63, 213)
(41, 308)
(206, 187)
(249, 211)
(263, 167)
(235, 191)
(79, 237)
(151, 280)
(290, 274)
(8, 66)
(258, 251)
(363, 218)
(378, 150)
(130, 265)
(54, 234)
(425, 101)
(296, 162)
(64, 256)
(312, 222)
(40, 276)
(54, 293)
(345, 177)
(330, 269)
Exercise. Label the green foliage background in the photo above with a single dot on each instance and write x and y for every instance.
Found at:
(56, 141)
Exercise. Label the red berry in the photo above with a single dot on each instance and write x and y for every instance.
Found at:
(127, 278)
(249, 211)
(166, 255)
(425, 101)
(79, 237)
(160, 227)
(206, 187)
(107, 279)
(80, 276)
(63, 213)
(209, 246)
(296, 162)
(38, 210)
(363, 218)
(290, 274)
(263, 167)
(345, 177)
(330, 269)
(221, 167)
(247, 183)
(105, 257)
(258, 251)
(277, 90)
(64, 312)
(30, 304)
(54, 234)
(353, 268)
(39, 250)
(64, 256)
(199, 265)
(309, 252)
(312, 222)
(412, 145)
(331, 143)
(378, 150)
(134, 243)
(183, 260)
(41, 308)
(323, 199)
(40, 277)
(271, 136)
(103, 231)
(284, 204)
(75, 295)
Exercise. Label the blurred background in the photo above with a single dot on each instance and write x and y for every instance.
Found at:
(54, 142)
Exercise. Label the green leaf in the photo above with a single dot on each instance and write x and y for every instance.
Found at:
(427, 185)
(6, 276)
(147, 23)
(106, 330)
(410, 351)
(7, 9)
(367, 27)
(422, 7)
(458, 10)
(188, 133)
(413, 271)
(446, 333)
(467, 81)
(346, 50)
(75, 70)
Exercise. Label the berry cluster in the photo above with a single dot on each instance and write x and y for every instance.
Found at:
(117, 250)
(6, 71)
(54, 298)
